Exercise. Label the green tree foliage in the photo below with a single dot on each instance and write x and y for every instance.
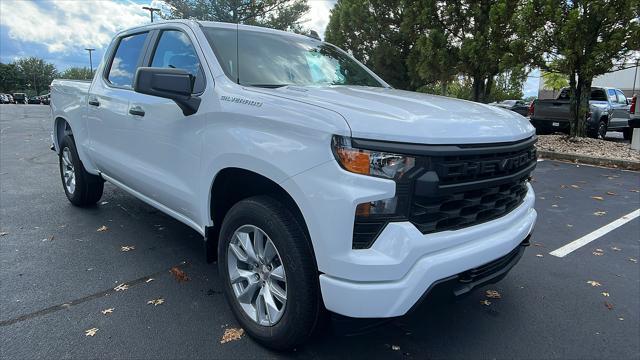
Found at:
(276, 14)
(371, 31)
(77, 73)
(555, 81)
(31, 75)
(10, 78)
(586, 38)
(429, 45)
(36, 73)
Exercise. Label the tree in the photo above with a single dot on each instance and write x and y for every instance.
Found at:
(555, 81)
(371, 31)
(9, 78)
(276, 14)
(478, 39)
(585, 38)
(77, 73)
(36, 73)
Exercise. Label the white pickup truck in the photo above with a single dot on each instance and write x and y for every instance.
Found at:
(315, 184)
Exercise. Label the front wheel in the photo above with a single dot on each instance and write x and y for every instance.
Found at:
(81, 187)
(268, 272)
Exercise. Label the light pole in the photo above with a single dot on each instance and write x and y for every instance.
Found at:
(90, 59)
(151, 11)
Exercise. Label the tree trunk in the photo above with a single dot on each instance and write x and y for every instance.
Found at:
(573, 113)
(478, 88)
(583, 106)
(487, 89)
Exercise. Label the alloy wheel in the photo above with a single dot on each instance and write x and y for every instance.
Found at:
(68, 171)
(257, 275)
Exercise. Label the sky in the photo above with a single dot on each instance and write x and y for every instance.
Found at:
(59, 30)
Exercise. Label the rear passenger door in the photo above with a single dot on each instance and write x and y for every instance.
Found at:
(167, 144)
(108, 121)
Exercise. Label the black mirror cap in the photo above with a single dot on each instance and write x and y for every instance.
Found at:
(168, 83)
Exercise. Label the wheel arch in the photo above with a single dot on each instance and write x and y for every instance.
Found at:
(61, 128)
(233, 184)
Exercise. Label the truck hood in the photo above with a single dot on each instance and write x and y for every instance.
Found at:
(404, 116)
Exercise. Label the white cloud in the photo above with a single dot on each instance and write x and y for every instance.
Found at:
(69, 26)
(318, 16)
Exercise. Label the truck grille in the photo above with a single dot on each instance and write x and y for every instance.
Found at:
(466, 208)
(454, 187)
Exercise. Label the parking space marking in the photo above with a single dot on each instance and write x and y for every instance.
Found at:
(576, 244)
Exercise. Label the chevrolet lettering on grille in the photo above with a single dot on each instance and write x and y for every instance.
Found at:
(471, 168)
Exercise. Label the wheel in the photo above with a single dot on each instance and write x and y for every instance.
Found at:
(81, 188)
(626, 133)
(269, 274)
(602, 129)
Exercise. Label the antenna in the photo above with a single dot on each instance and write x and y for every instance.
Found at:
(237, 53)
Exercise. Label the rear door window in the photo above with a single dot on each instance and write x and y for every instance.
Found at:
(612, 95)
(175, 50)
(126, 59)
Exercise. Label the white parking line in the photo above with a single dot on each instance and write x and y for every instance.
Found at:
(576, 244)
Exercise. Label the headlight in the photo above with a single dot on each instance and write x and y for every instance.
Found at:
(374, 163)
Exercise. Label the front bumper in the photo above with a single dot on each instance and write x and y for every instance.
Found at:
(428, 259)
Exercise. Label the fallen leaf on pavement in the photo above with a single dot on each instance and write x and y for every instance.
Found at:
(554, 206)
(593, 283)
(615, 248)
(179, 274)
(569, 225)
(104, 203)
(605, 294)
(635, 190)
(149, 280)
(597, 253)
(127, 248)
(493, 294)
(621, 318)
(575, 186)
(608, 305)
(395, 347)
(611, 193)
(600, 213)
(90, 332)
(121, 287)
(102, 228)
(156, 302)
(231, 334)
(3, 233)
(633, 260)
(485, 302)
(539, 255)
(107, 311)
(597, 198)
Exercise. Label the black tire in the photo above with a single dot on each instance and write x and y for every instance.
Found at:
(626, 133)
(88, 187)
(304, 311)
(602, 129)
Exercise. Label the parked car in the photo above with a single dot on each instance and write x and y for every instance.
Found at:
(519, 106)
(20, 98)
(45, 99)
(608, 111)
(10, 97)
(315, 184)
(34, 100)
(4, 99)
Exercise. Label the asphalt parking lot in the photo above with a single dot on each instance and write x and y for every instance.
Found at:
(58, 273)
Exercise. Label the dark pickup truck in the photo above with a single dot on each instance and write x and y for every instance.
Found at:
(608, 107)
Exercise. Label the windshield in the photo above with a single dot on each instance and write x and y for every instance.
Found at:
(273, 60)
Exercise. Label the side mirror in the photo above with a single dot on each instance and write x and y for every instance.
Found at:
(174, 84)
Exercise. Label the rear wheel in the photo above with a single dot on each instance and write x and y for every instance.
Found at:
(81, 187)
(602, 129)
(268, 272)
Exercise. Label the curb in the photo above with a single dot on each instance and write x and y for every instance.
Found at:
(583, 159)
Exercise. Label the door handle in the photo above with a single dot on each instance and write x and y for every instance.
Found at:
(136, 110)
(94, 102)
